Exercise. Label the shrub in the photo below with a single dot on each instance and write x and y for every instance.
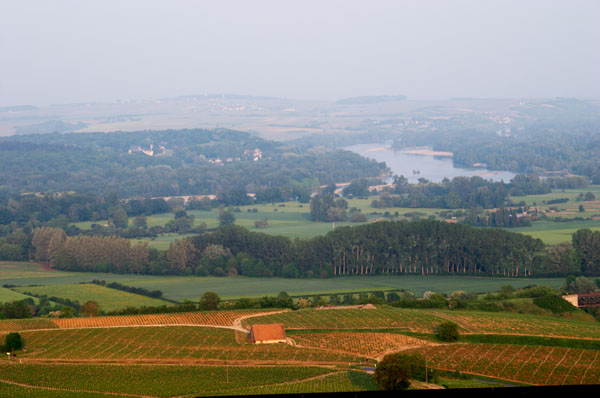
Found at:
(554, 303)
(448, 331)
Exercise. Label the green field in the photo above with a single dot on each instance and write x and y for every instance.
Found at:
(570, 194)
(7, 295)
(291, 219)
(551, 232)
(109, 299)
(192, 287)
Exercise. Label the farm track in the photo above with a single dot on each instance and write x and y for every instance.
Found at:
(195, 362)
(237, 322)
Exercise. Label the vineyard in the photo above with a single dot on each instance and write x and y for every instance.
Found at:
(164, 344)
(513, 323)
(371, 345)
(413, 320)
(155, 380)
(346, 381)
(12, 325)
(210, 318)
(425, 321)
(529, 364)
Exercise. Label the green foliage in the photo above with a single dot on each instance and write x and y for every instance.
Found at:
(396, 370)
(554, 303)
(226, 217)
(209, 301)
(13, 341)
(579, 284)
(448, 331)
(90, 308)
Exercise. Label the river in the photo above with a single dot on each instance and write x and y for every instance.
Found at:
(414, 166)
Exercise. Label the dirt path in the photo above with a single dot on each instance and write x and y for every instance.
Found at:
(161, 325)
(120, 394)
(194, 362)
(237, 322)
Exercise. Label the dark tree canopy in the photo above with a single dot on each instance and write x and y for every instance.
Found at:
(396, 371)
(13, 342)
(209, 301)
(448, 331)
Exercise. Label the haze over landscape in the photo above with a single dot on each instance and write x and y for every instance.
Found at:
(69, 51)
(251, 198)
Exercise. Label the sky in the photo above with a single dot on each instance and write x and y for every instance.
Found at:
(82, 51)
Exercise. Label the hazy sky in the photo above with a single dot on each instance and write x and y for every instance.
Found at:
(74, 51)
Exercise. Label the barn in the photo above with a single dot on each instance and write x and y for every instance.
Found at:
(267, 334)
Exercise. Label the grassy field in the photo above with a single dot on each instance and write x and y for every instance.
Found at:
(556, 232)
(108, 299)
(570, 194)
(7, 295)
(191, 287)
(551, 232)
(291, 219)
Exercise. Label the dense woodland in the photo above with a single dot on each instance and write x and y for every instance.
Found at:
(226, 161)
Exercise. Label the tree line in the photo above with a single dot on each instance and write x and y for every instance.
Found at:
(388, 247)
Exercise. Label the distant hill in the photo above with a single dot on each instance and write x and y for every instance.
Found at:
(51, 126)
(370, 99)
(17, 108)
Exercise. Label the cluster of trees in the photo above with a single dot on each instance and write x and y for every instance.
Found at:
(62, 208)
(326, 207)
(459, 193)
(423, 247)
(419, 247)
(501, 218)
(88, 253)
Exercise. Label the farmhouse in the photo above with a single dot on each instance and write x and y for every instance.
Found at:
(584, 300)
(267, 334)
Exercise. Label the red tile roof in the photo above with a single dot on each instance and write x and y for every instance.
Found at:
(268, 332)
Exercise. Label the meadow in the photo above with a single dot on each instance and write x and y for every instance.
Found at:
(291, 219)
(552, 232)
(179, 288)
(108, 299)
(7, 295)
